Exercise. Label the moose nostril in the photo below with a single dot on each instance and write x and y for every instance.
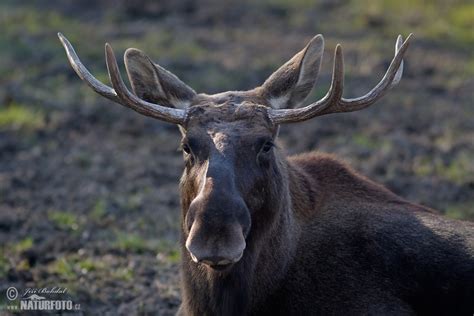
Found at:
(193, 257)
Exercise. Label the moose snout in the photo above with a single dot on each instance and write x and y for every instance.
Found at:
(215, 246)
(217, 222)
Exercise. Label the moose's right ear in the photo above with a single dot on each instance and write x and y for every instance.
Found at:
(155, 84)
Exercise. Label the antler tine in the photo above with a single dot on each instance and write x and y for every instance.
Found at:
(84, 74)
(391, 78)
(171, 115)
(120, 93)
(399, 73)
(334, 103)
(335, 92)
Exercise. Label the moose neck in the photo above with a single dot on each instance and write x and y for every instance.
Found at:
(270, 247)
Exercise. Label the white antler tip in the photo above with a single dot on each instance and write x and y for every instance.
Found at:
(407, 40)
(316, 44)
(63, 39)
(319, 39)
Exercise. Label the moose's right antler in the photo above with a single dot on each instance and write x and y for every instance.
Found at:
(120, 92)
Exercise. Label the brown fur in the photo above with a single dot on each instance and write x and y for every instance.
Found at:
(318, 238)
(263, 234)
(323, 239)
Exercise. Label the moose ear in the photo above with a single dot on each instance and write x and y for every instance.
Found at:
(155, 84)
(291, 83)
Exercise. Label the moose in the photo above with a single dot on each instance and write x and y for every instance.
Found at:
(266, 234)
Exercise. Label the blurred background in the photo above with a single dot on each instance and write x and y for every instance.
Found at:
(89, 189)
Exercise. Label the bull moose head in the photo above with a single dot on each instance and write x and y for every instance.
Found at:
(232, 187)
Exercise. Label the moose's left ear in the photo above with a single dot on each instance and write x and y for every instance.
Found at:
(155, 84)
(291, 83)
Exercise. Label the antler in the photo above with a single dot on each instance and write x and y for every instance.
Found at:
(120, 92)
(333, 102)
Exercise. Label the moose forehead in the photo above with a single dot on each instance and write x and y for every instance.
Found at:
(229, 115)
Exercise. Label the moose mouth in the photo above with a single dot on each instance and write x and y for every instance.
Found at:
(225, 265)
(221, 267)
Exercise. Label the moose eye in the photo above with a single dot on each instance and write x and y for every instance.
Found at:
(186, 148)
(267, 146)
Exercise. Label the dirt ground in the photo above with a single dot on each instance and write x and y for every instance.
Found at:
(89, 189)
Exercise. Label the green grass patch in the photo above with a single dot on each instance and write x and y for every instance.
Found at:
(461, 22)
(64, 220)
(370, 142)
(459, 170)
(13, 251)
(21, 117)
(71, 267)
(64, 268)
(124, 274)
(23, 265)
(463, 211)
(88, 265)
(168, 252)
(174, 256)
(34, 21)
(364, 141)
(99, 210)
(136, 244)
(132, 242)
(23, 245)
(441, 21)
(4, 266)
(134, 202)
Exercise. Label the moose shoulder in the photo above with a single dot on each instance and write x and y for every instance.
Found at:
(265, 234)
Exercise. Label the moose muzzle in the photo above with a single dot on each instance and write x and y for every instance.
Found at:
(218, 223)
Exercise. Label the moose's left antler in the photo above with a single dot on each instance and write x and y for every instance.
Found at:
(333, 101)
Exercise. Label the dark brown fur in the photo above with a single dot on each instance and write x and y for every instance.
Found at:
(318, 238)
(263, 234)
(325, 240)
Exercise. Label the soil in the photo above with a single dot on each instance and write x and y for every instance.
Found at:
(89, 195)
